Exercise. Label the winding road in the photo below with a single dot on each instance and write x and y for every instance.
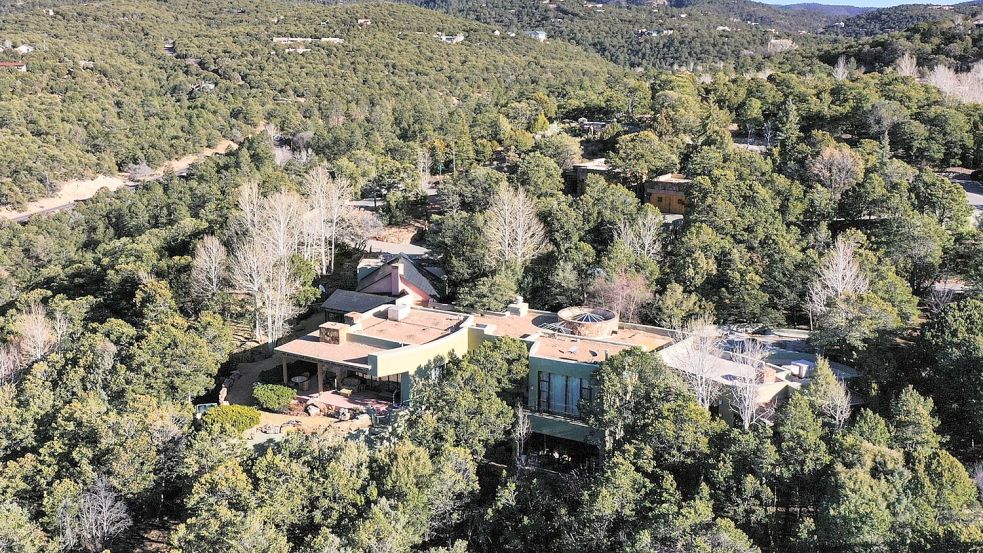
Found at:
(82, 189)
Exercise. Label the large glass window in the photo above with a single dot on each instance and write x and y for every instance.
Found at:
(561, 394)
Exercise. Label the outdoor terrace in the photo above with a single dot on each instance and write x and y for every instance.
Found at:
(357, 402)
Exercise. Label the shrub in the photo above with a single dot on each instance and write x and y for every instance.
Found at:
(238, 417)
(273, 397)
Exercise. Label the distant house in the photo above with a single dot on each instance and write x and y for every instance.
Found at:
(576, 176)
(723, 29)
(537, 35)
(978, 23)
(15, 65)
(24, 49)
(364, 22)
(668, 193)
(655, 32)
(593, 128)
(451, 39)
(399, 276)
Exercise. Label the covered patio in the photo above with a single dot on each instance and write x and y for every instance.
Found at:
(337, 376)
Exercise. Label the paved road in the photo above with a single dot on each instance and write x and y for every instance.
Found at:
(974, 193)
(389, 247)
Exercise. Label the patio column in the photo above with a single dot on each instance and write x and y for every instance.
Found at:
(286, 379)
(320, 377)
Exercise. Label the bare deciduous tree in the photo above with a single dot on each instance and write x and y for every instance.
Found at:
(700, 342)
(837, 168)
(250, 208)
(278, 290)
(520, 433)
(60, 325)
(964, 87)
(328, 202)
(359, 228)
(250, 264)
(745, 400)
(839, 273)
(624, 293)
(208, 268)
(423, 166)
(280, 225)
(11, 363)
(97, 518)
(907, 65)
(837, 407)
(37, 337)
(642, 234)
(513, 230)
(939, 299)
(842, 70)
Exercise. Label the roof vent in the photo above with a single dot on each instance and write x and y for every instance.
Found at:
(398, 312)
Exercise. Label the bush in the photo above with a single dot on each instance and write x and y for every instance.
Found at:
(238, 417)
(273, 397)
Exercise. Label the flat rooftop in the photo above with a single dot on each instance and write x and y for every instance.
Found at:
(419, 327)
(646, 339)
(568, 348)
(722, 370)
(310, 346)
(517, 326)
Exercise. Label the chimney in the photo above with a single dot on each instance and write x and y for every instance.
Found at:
(334, 333)
(395, 274)
(398, 312)
(518, 307)
(353, 317)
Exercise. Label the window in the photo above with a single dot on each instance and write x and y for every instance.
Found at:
(561, 394)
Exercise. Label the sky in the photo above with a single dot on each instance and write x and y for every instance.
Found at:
(863, 3)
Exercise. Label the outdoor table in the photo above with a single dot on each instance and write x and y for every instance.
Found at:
(301, 382)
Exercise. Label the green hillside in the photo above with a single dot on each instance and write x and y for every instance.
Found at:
(619, 32)
(102, 92)
(896, 18)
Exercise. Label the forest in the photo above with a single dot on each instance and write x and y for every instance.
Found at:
(820, 200)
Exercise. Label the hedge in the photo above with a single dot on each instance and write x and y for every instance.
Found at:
(273, 397)
(238, 417)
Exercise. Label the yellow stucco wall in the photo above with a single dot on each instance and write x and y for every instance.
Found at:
(410, 358)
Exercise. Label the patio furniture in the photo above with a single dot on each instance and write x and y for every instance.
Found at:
(301, 382)
(345, 392)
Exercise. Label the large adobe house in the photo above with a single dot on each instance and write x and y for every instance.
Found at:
(382, 348)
